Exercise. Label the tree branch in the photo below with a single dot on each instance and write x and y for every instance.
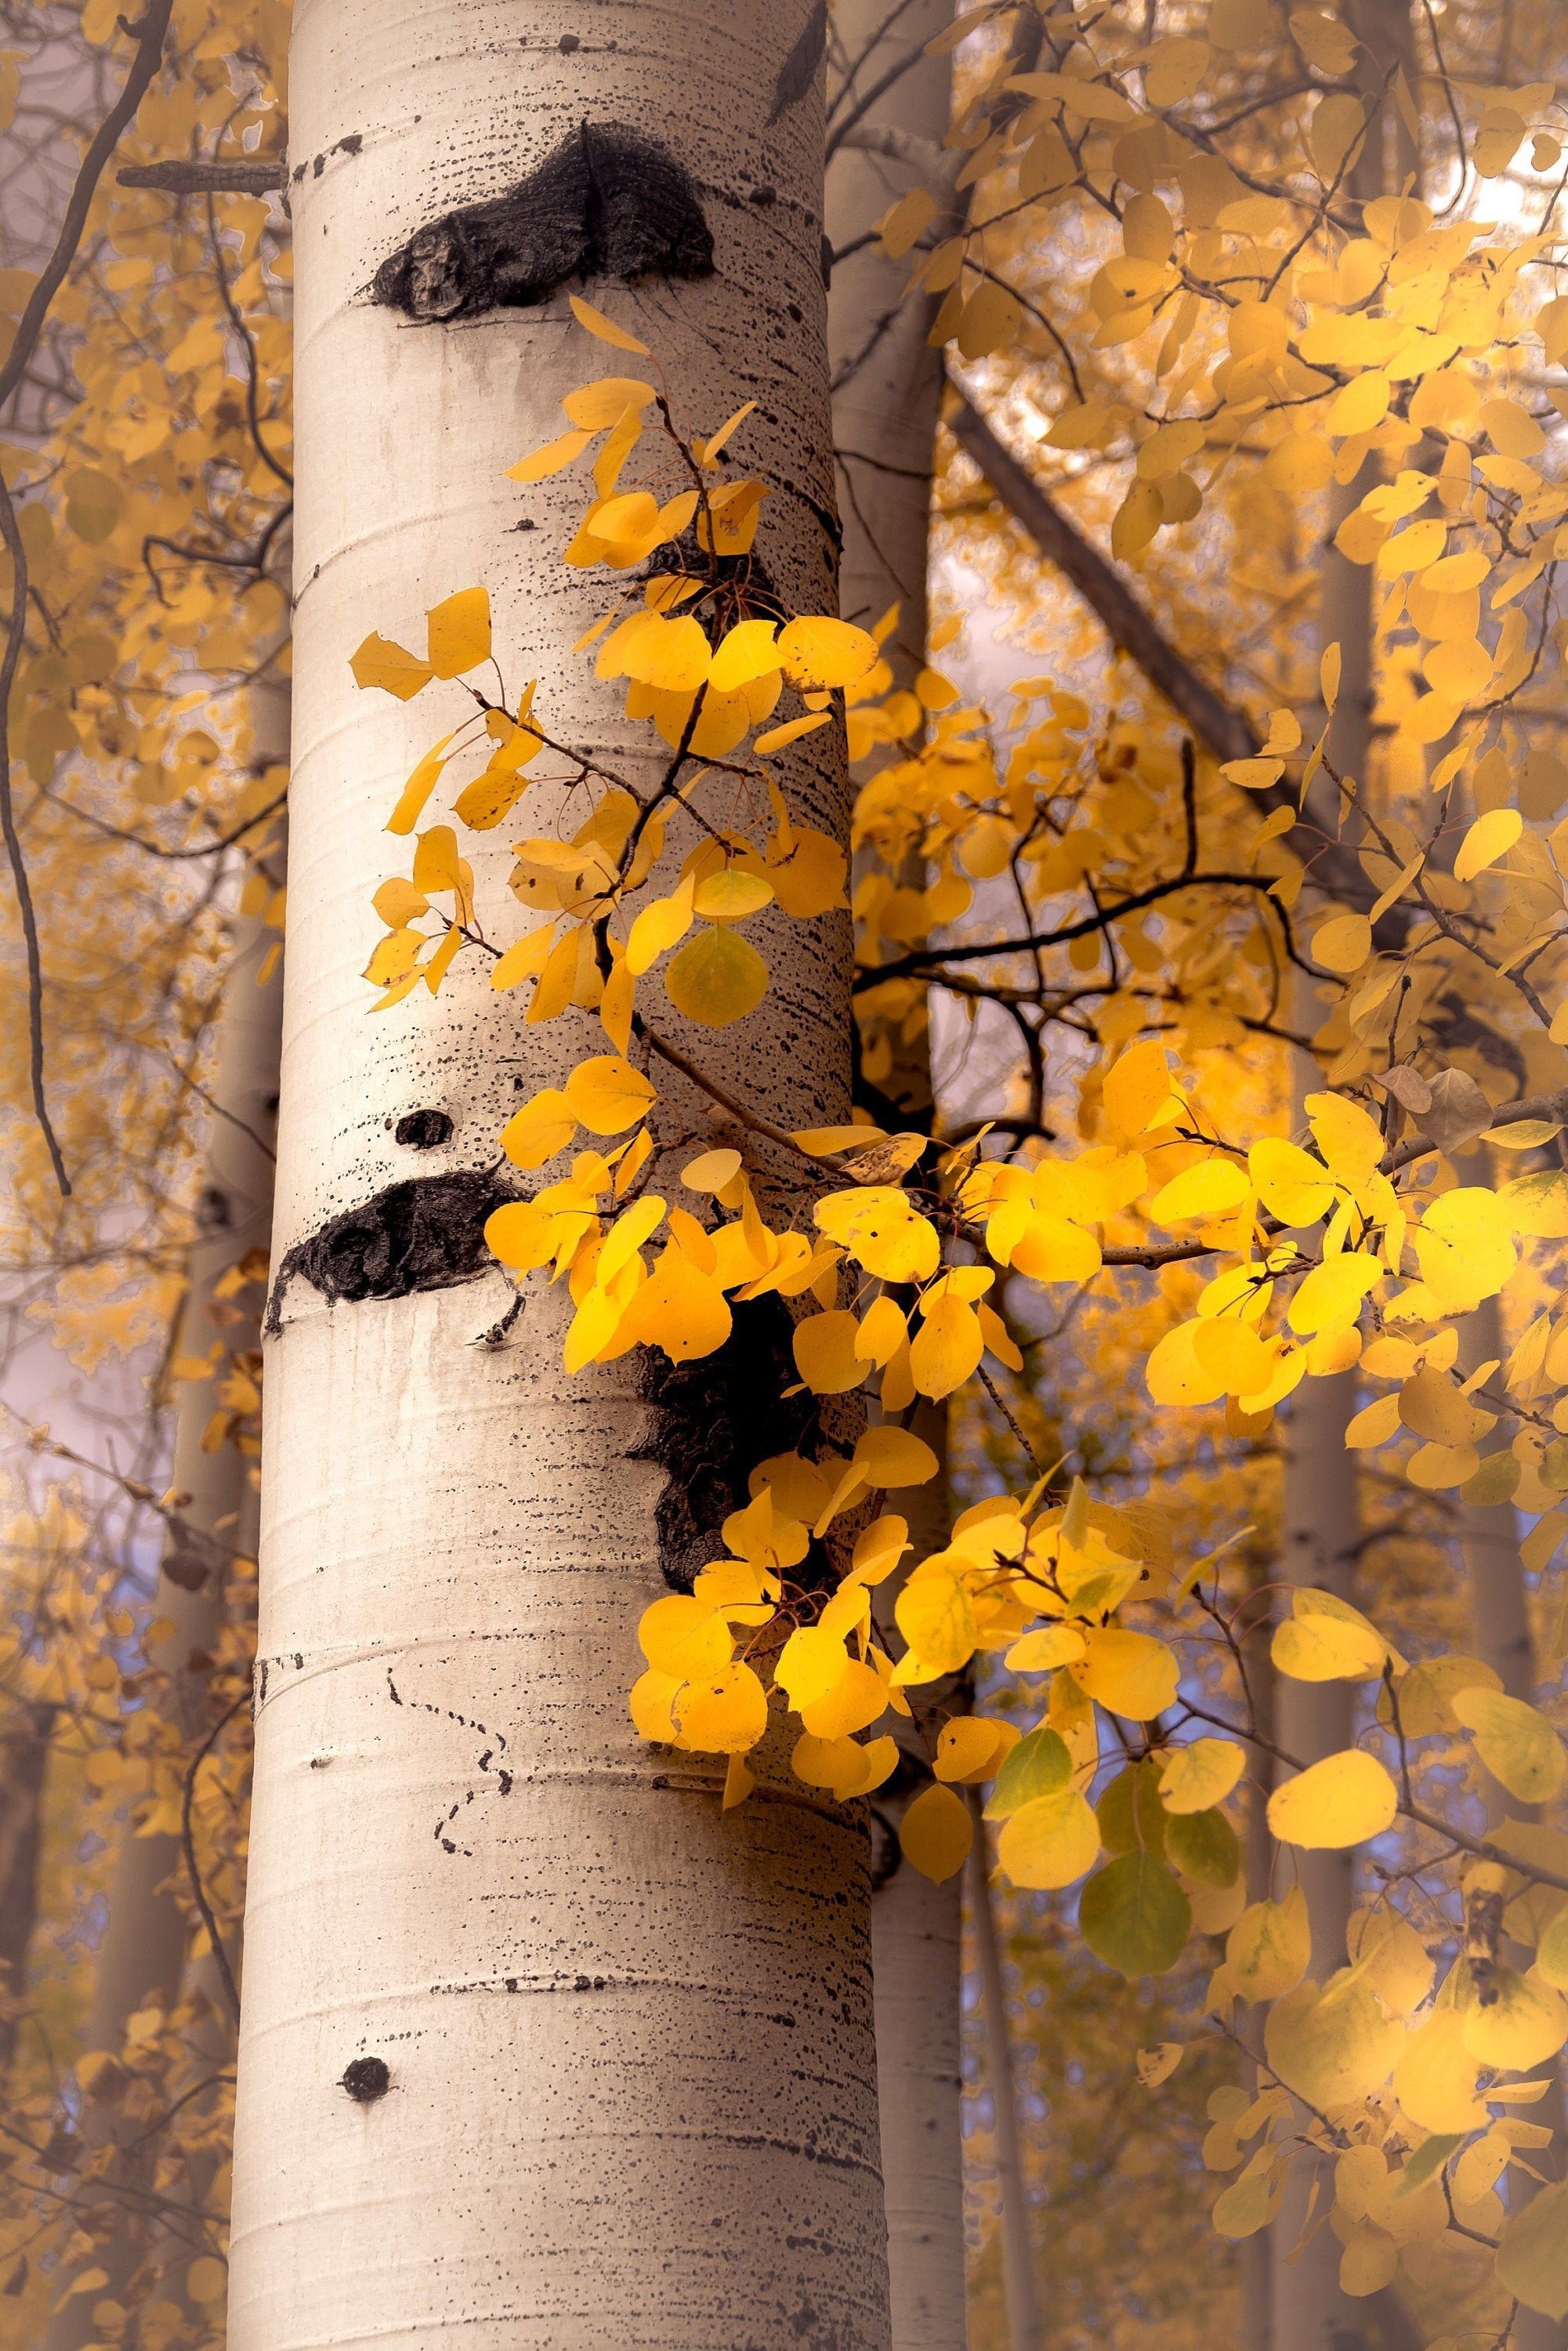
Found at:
(1222, 730)
(200, 176)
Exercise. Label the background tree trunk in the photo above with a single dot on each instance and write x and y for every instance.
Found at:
(1020, 2284)
(627, 2041)
(887, 389)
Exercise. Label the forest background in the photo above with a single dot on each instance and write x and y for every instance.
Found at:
(1146, 607)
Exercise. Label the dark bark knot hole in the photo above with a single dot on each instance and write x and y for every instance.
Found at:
(425, 1233)
(606, 203)
(714, 1420)
(423, 1130)
(366, 2079)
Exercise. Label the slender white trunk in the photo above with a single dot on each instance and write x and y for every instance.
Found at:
(887, 388)
(1322, 1540)
(142, 1956)
(1020, 2283)
(615, 2075)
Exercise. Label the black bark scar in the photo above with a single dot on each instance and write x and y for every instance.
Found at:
(714, 1418)
(425, 1233)
(606, 203)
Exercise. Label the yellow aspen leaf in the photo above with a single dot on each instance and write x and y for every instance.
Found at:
(879, 1548)
(1138, 1088)
(679, 1309)
(607, 1096)
(715, 978)
(1042, 1652)
(968, 1749)
(1194, 1778)
(1362, 404)
(1251, 2203)
(1532, 2259)
(1431, 1405)
(1436, 2077)
(1518, 1747)
(1136, 519)
(617, 1004)
(738, 1784)
(935, 1616)
(731, 896)
(1177, 1374)
(1129, 1674)
(552, 459)
(661, 924)
(206, 2280)
(1519, 2024)
(604, 329)
(725, 1713)
(1135, 1915)
(884, 1328)
(598, 405)
(706, 451)
(893, 1457)
(1344, 943)
(543, 1127)
(748, 651)
(936, 1832)
(627, 1235)
(1332, 1294)
(459, 631)
(1050, 1249)
(825, 1357)
(857, 1699)
(558, 976)
(1375, 1423)
(1323, 1648)
(1210, 1189)
(1231, 1351)
(817, 651)
(991, 316)
(946, 1349)
(908, 220)
(673, 657)
(523, 959)
(380, 663)
(1050, 1840)
(417, 791)
(682, 1635)
(1342, 1801)
(1268, 1949)
(810, 1664)
(592, 1328)
(1331, 2046)
(791, 731)
(1491, 837)
(880, 1227)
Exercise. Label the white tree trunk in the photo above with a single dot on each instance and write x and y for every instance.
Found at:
(887, 389)
(1020, 2283)
(1321, 1540)
(143, 1955)
(626, 2042)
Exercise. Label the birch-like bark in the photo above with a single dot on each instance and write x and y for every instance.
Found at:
(622, 2044)
(887, 389)
(141, 1958)
(1020, 2283)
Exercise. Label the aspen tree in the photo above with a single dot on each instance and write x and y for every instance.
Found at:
(536, 2039)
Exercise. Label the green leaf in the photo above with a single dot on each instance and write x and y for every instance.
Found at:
(1132, 1817)
(1202, 1846)
(1037, 1766)
(1135, 1915)
(1533, 2259)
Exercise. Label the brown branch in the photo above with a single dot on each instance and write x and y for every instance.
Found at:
(198, 176)
(1223, 730)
